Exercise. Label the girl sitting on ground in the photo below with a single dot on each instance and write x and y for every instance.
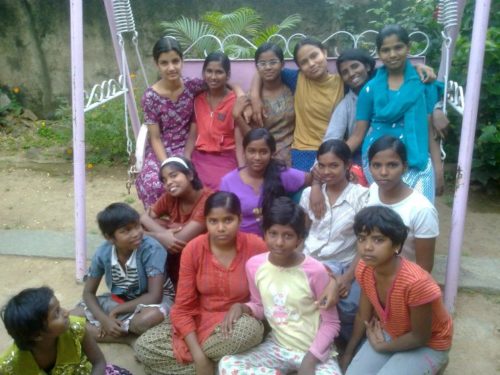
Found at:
(331, 239)
(214, 143)
(210, 282)
(47, 340)
(401, 310)
(133, 268)
(284, 284)
(263, 178)
(177, 217)
(388, 164)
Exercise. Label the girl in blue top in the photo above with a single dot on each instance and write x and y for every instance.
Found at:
(395, 102)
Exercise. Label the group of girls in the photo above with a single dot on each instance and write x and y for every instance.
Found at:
(329, 264)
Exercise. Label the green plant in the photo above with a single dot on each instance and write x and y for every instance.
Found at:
(486, 158)
(243, 21)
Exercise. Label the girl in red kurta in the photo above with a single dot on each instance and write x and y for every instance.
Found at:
(212, 278)
(214, 143)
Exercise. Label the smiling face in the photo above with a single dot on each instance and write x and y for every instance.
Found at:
(222, 226)
(282, 242)
(387, 168)
(393, 53)
(375, 248)
(169, 66)
(214, 75)
(354, 74)
(175, 182)
(57, 319)
(257, 156)
(312, 62)
(269, 66)
(332, 169)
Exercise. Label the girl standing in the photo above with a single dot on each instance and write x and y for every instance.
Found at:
(277, 100)
(177, 216)
(214, 143)
(284, 284)
(168, 109)
(395, 102)
(210, 282)
(331, 239)
(387, 158)
(263, 178)
(356, 67)
(47, 340)
(408, 328)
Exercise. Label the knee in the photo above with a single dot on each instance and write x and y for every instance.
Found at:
(145, 319)
(248, 331)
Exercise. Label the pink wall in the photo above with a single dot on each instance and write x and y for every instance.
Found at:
(242, 71)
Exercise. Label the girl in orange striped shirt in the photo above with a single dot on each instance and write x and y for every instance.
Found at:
(408, 328)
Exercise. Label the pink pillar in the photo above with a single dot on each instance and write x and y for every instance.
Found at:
(78, 136)
(123, 65)
(467, 137)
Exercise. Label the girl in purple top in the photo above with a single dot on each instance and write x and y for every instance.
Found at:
(168, 108)
(262, 179)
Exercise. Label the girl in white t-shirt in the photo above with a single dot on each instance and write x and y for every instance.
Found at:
(331, 238)
(387, 160)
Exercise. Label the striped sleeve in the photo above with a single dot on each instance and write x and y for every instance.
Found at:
(422, 291)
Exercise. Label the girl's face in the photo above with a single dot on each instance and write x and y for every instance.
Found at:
(170, 66)
(128, 238)
(215, 76)
(393, 53)
(57, 319)
(387, 168)
(269, 66)
(354, 73)
(222, 226)
(282, 241)
(312, 62)
(332, 169)
(175, 182)
(257, 156)
(375, 248)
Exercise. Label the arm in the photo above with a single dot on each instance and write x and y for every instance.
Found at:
(232, 316)
(435, 152)
(358, 135)
(239, 106)
(420, 334)
(156, 142)
(255, 305)
(109, 325)
(202, 364)
(426, 73)
(424, 252)
(364, 314)
(345, 280)
(256, 100)
(238, 139)
(152, 297)
(94, 354)
(167, 237)
(191, 141)
(337, 127)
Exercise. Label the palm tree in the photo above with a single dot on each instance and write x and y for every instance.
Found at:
(238, 33)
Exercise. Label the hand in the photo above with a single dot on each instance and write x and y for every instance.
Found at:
(426, 73)
(316, 199)
(345, 284)
(247, 113)
(439, 175)
(258, 112)
(344, 361)
(239, 105)
(168, 239)
(308, 365)
(330, 295)
(440, 123)
(112, 327)
(232, 316)
(204, 366)
(375, 334)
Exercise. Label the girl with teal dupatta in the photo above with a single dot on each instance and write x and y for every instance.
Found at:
(396, 103)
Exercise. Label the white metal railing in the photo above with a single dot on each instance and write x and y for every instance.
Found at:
(455, 97)
(345, 39)
(103, 92)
